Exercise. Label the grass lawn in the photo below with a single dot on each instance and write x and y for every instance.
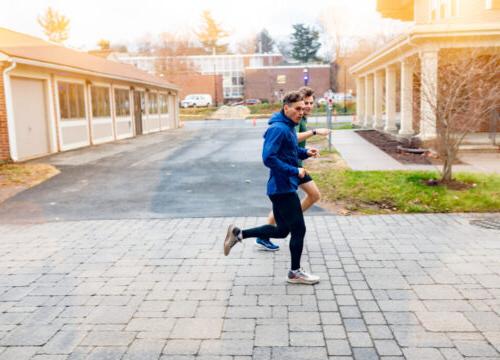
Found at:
(376, 192)
(18, 177)
(196, 113)
(345, 191)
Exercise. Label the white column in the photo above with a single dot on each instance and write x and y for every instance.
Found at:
(360, 99)
(428, 94)
(378, 120)
(406, 98)
(368, 101)
(390, 99)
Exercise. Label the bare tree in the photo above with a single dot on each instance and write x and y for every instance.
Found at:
(463, 97)
(246, 46)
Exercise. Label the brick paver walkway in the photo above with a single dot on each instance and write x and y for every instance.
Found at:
(393, 287)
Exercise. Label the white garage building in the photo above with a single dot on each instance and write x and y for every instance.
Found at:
(53, 98)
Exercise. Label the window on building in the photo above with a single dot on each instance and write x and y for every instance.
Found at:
(163, 104)
(71, 100)
(100, 101)
(153, 103)
(122, 102)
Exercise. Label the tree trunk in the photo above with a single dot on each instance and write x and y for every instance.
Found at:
(447, 168)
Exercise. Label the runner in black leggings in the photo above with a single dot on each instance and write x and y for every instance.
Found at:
(281, 155)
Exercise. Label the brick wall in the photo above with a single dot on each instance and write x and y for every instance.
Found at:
(4, 135)
(271, 83)
(194, 83)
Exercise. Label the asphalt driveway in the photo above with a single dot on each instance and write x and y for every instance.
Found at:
(206, 169)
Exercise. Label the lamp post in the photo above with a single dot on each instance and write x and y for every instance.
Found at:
(345, 87)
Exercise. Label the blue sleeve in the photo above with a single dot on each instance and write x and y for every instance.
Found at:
(272, 142)
(302, 152)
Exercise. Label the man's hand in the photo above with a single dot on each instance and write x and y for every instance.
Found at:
(302, 173)
(323, 131)
(312, 152)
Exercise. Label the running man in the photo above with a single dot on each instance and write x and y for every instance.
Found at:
(281, 154)
(307, 184)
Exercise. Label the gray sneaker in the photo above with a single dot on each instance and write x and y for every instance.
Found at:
(301, 277)
(233, 236)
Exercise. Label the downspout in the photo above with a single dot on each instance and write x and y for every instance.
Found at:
(10, 110)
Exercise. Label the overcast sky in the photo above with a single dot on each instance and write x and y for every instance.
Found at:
(124, 21)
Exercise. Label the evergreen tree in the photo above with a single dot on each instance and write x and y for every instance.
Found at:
(264, 42)
(305, 43)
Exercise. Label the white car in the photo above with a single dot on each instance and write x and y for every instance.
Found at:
(197, 100)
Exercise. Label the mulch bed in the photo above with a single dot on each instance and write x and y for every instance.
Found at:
(390, 146)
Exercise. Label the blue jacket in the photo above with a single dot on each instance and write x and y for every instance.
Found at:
(281, 154)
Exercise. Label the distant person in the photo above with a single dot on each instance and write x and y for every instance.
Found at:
(307, 184)
(281, 154)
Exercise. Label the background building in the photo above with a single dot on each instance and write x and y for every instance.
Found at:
(271, 82)
(54, 99)
(230, 67)
(389, 80)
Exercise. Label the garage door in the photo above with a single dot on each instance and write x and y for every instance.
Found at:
(30, 116)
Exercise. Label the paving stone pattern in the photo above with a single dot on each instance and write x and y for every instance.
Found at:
(393, 287)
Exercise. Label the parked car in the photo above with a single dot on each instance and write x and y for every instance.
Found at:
(248, 102)
(197, 100)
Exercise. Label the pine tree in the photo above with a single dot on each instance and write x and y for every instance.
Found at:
(305, 43)
(55, 25)
(265, 43)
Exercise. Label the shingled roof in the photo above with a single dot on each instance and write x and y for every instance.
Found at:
(22, 46)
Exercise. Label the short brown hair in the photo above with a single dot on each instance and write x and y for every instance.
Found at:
(292, 97)
(306, 91)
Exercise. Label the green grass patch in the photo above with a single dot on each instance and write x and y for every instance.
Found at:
(25, 174)
(196, 113)
(405, 192)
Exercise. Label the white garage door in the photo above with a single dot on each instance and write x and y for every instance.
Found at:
(30, 116)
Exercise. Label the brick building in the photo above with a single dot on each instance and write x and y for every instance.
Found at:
(196, 83)
(271, 82)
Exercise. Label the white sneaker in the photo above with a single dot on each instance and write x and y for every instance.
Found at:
(301, 277)
(233, 236)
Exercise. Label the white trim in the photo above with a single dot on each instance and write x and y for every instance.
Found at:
(99, 120)
(74, 146)
(102, 120)
(11, 127)
(75, 122)
(103, 140)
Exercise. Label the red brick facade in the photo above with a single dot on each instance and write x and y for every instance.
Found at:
(4, 135)
(272, 82)
(195, 83)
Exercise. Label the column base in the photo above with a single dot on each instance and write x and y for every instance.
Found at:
(426, 136)
(391, 129)
(406, 133)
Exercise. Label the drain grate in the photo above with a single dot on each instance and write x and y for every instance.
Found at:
(488, 223)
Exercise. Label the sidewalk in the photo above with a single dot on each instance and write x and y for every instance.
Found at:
(362, 155)
(392, 287)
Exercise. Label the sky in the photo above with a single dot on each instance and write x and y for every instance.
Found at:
(125, 21)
